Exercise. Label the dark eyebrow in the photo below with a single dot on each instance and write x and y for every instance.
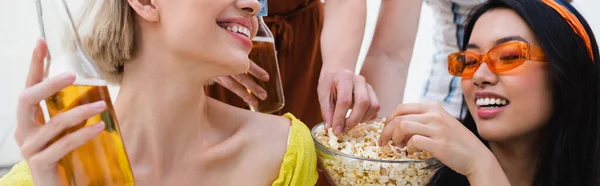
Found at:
(500, 41)
(473, 46)
(509, 39)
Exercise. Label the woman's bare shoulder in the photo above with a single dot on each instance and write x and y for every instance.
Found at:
(270, 127)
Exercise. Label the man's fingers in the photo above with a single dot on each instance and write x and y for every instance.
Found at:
(373, 107)
(343, 101)
(258, 72)
(326, 104)
(325, 92)
(361, 103)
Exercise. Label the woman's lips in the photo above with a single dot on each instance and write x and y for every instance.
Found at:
(490, 104)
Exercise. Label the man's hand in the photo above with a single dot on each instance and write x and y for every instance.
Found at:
(339, 90)
(241, 83)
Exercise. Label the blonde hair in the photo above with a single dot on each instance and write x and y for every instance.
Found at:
(110, 40)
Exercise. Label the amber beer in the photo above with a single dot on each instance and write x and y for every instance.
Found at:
(264, 55)
(103, 160)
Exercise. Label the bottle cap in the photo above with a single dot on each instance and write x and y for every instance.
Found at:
(264, 8)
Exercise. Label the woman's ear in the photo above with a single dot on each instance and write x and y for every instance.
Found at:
(146, 9)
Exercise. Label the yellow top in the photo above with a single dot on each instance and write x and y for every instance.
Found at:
(19, 175)
(299, 165)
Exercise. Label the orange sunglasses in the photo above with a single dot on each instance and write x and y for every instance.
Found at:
(499, 59)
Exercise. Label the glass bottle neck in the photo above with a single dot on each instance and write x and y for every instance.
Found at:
(263, 29)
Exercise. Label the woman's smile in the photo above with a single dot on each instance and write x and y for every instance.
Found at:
(239, 28)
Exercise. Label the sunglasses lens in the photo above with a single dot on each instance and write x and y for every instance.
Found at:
(455, 64)
(507, 57)
(462, 64)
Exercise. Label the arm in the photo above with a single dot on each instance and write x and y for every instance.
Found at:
(430, 128)
(488, 172)
(342, 34)
(386, 64)
(339, 88)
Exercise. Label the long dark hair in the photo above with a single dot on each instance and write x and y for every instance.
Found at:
(569, 153)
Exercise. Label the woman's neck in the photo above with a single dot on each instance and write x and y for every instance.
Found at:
(518, 159)
(157, 92)
(164, 113)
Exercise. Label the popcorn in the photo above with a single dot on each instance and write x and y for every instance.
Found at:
(362, 142)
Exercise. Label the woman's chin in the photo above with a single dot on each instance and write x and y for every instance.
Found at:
(238, 62)
(239, 68)
(233, 66)
(234, 70)
(491, 131)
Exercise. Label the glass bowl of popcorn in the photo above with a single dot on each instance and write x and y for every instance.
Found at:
(354, 158)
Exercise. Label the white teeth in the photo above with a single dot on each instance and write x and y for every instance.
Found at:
(246, 31)
(491, 102)
(239, 29)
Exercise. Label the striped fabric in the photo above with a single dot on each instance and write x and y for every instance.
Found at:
(441, 87)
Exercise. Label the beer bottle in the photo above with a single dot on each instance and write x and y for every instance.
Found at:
(264, 55)
(103, 160)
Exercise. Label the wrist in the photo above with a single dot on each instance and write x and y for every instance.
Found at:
(332, 68)
(487, 171)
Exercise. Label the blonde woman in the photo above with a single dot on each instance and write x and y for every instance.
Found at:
(161, 53)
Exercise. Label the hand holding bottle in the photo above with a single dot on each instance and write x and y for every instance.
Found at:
(241, 83)
(37, 138)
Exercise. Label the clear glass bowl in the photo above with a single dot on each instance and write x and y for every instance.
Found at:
(343, 169)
